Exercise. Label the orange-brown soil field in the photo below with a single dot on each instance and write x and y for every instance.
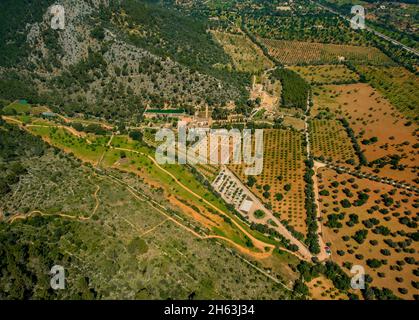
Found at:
(386, 137)
(373, 225)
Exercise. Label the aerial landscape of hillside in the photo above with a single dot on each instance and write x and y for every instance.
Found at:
(328, 212)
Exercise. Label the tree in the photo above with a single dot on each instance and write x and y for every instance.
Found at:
(279, 196)
(300, 288)
(251, 180)
(345, 203)
(77, 125)
(136, 135)
(374, 263)
(360, 236)
(259, 214)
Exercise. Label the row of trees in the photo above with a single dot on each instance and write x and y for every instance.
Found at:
(362, 159)
(312, 240)
(264, 229)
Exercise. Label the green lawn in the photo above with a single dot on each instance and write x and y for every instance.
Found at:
(20, 107)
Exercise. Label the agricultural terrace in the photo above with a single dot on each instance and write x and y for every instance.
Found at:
(246, 56)
(397, 85)
(280, 185)
(326, 74)
(330, 141)
(388, 139)
(373, 225)
(296, 52)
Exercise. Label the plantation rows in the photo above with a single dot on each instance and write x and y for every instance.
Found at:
(374, 225)
(330, 141)
(280, 185)
(296, 52)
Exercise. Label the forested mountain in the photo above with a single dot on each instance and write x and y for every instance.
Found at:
(113, 58)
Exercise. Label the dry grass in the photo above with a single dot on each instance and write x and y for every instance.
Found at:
(370, 115)
(246, 56)
(326, 74)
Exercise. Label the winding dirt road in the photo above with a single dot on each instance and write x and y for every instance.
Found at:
(257, 243)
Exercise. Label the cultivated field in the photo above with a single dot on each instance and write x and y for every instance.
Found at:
(281, 184)
(330, 141)
(386, 137)
(246, 56)
(373, 225)
(326, 74)
(296, 52)
(397, 84)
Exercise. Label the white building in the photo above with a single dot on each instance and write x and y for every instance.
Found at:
(246, 205)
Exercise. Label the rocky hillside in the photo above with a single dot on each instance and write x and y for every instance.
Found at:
(113, 59)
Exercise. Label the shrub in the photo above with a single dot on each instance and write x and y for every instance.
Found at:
(374, 263)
